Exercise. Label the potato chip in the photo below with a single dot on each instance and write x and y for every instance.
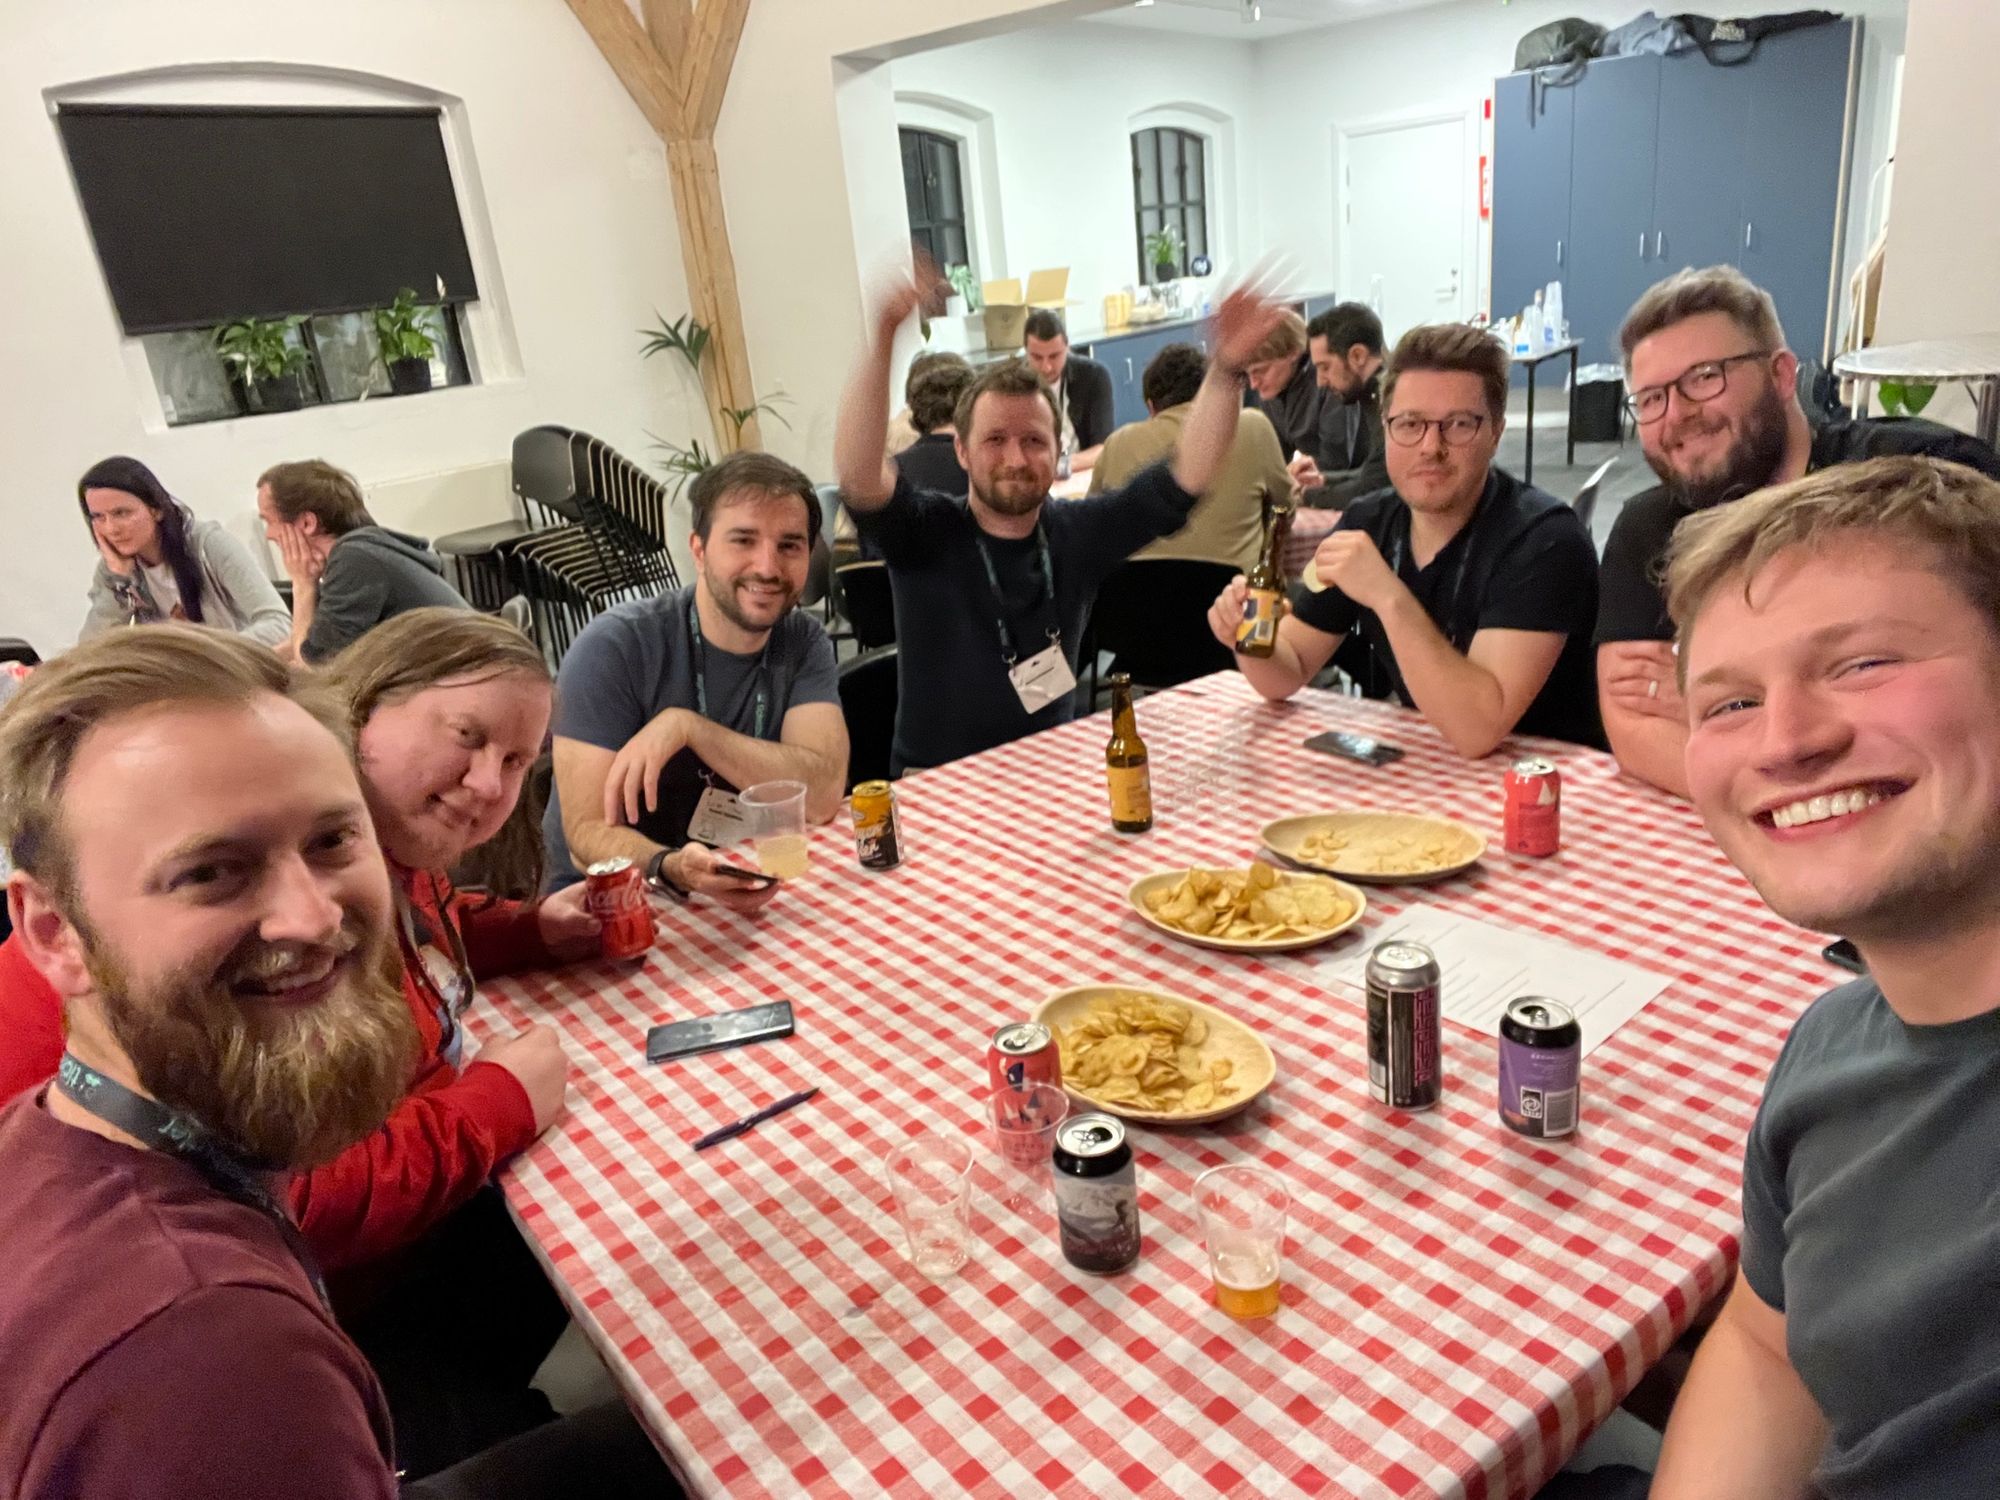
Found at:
(1416, 848)
(1144, 1053)
(1254, 904)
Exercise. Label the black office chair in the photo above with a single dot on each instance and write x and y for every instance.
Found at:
(1585, 503)
(1152, 616)
(13, 648)
(868, 703)
(866, 600)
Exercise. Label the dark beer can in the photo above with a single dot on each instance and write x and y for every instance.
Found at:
(1097, 1195)
(1541, 1066)
(878, 841)
(1405, 1070)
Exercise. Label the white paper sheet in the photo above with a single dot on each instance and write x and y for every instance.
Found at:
(1486, 966)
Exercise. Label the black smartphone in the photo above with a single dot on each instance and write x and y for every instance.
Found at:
(736, 1028)
(756, 879)
(1842, 954)
(1355, 747)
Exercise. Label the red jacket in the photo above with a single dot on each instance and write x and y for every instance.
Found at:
(439, 1144)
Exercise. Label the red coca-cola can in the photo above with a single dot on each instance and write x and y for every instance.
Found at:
(615, 893)
(1023, 1053)
(1533, 817)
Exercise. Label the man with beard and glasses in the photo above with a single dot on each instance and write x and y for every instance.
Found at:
(1714, 393)
(665, 708)
(1840, 652)
(992, 589)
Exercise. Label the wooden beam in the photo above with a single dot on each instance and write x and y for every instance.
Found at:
(718, 27)
(623, 41)
(670, 23)
(711, 274)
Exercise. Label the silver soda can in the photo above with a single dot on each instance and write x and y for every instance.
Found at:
(1405, 1070)
(1541, 1061)
(1097, 1195)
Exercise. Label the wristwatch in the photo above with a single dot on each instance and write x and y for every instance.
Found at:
(658, 878)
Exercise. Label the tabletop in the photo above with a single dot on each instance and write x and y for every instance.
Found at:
(1547, 351)
(1462, 1305)
(1971, 356)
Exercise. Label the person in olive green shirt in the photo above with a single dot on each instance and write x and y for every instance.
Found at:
(1227, 524)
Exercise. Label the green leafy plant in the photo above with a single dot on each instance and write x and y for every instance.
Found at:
(965, 284)
(738, 415)
(684, 336)
(406, 330)
(1163, 248)
(682, 463)
(1905, 398)
(261, 349)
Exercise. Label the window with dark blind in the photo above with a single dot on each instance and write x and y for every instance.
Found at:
(201, 215)
(1170, 190)
(934, 189)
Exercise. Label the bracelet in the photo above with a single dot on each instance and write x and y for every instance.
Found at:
(659, 880)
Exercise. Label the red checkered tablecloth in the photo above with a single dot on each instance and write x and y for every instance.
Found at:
(1462, 1305)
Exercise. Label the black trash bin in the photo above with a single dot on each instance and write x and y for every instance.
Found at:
(1598, 411)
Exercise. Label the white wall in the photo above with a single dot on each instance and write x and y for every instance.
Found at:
(581, 220)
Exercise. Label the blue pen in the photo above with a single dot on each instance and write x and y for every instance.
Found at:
(728, 1132)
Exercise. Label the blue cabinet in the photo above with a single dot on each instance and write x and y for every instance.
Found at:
(1127, 356)
(1532, 128)
(1611, 199)
(1697, 178)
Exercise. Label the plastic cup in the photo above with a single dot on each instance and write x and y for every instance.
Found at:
(1024, 1122)
(931, 1178)
(774, 818)
(1243, 1211)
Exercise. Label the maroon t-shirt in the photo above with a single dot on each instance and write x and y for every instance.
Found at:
(162, 1341)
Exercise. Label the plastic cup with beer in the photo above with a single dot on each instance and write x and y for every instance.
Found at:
(774, 817)
(1243, 1210)
(931, 1178)
(1025, 1118)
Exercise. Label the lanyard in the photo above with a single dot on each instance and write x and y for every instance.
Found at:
(158, 1128)
(448, 1005)
(760, 715)
(1469, 533)
(1010, 650)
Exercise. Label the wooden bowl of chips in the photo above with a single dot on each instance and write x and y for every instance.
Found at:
(1261, 909)
(1155, 1057)
(1380, 848)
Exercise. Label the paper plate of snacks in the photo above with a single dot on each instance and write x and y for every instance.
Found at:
(1155, 1057)
(1260, 909)
(1380, 847)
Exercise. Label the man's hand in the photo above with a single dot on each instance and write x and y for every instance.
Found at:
(1305, 474)
(1227, 612)
(1642, 677)
(1350, 562)
(632, 785)
(302, 564)
(1240, 323)
(535, 1057)
(568, 929)
(693, 868)
(898, 299)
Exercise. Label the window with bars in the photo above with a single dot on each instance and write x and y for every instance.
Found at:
(1170, 191)
(934, 189)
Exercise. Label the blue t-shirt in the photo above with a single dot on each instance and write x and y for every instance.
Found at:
(637, 660)
(1871, 1212)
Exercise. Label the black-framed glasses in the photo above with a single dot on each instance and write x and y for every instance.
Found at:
(1407, 429)
(1702, 382)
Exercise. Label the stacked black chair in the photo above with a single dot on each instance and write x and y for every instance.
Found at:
(868, 703)
(868, 603)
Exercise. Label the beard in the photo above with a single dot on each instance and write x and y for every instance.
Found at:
(1751, 462)
(723, 592)
(286, 1089)
(1010, 492)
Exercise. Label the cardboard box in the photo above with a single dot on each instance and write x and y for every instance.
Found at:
(1006, 308)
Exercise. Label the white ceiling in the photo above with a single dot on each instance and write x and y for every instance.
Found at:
(1224, 18)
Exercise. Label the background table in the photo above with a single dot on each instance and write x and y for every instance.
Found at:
(1461, 1304)
(1532, 363)
(1973, 358)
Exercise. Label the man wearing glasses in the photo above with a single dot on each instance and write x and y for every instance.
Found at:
(1714, 393)
(1460, 591)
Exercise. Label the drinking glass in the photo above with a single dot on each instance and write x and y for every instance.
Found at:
(931, 1178)
(774, 821)
(1024, 1119)
(1243, 1210)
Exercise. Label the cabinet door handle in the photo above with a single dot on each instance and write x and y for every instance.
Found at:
(1559, 252)
(1128, 369)
(1748, 226)
(1659, 245)
(1642, 244)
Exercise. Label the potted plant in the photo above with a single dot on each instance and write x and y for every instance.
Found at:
(405, 332)
(264, 357)
(1163, 252)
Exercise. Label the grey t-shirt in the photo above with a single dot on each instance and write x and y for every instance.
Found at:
(1871, 1207)
(637, 660)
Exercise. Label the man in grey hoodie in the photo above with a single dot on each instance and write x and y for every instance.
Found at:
(348, 574)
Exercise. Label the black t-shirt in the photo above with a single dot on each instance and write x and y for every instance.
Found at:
(932, 463)
(1633, 601)
(1523, 562)
(954, 697)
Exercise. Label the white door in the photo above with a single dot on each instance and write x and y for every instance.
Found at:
(1404, 211)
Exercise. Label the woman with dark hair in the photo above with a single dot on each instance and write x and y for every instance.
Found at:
(157, 562)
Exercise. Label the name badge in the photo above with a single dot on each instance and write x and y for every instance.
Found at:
(1042, 679)
(718, 819)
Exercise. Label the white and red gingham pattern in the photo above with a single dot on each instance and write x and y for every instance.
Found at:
(1462, 1305)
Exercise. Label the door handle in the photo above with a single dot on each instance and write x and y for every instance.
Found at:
(1642, 244)
(1748, 226)
(1659, 245)
(1559, 252)
(1128, 369)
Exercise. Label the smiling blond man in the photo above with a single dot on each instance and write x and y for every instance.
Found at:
(1841, 656)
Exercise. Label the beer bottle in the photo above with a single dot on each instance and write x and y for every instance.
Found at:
(1264, 605)
(1125, 763)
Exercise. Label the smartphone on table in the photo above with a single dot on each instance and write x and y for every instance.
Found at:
(736, 1028)
(1370, 752)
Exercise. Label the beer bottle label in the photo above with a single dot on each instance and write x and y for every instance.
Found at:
(1131, 794)
(1257, 632)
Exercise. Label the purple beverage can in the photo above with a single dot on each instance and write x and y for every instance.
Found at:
(1541, 1066)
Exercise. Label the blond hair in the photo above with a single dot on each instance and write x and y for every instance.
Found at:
(1286, 340)
(1455, 348)
(1951, 510)
(1689, 294)
(103, 679)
